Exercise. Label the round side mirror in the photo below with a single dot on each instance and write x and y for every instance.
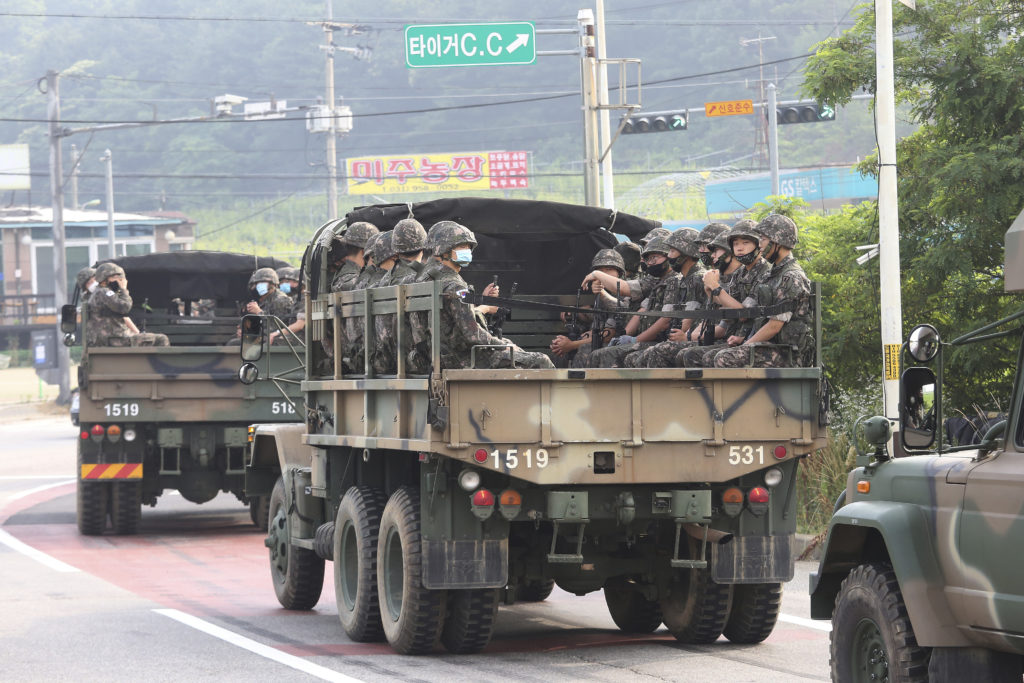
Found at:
(69, 339)
(923, 343)
(248, 373)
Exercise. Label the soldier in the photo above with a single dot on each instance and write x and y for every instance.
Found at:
(108, 307)
(288, 281)
(783, 339)
(707, 235)
(566, 348)
(267, 298)
(656, 232)
(460, 328)
(353, 243)
(408, 241)
(630, 253)
(86, 283)
(371, 274)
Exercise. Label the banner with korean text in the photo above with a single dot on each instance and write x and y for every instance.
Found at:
(455, 172)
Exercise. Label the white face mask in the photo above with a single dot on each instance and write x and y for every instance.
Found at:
(262, 288)
(463, 257)
(93, 287)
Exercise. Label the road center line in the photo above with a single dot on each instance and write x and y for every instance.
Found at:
(807, 623)
(28, 551)
(260, 649)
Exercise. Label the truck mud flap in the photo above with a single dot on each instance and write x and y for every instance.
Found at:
(754, 559)
(465, 564)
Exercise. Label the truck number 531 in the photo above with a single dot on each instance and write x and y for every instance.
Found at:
(746, 455)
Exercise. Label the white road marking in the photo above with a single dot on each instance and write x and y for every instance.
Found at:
(37, 489)
(825, 626)
(260, 649)
(28, 551)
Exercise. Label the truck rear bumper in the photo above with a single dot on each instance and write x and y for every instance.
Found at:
(754, 559)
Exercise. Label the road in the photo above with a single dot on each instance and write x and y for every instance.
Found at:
(190, 598)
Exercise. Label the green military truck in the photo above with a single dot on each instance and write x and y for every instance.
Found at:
(175, 417)
(919, 573)
(439, 496)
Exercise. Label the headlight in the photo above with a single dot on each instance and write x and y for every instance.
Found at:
(469, 480)
(773, 477)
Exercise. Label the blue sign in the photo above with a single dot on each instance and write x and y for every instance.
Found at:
(818, 187)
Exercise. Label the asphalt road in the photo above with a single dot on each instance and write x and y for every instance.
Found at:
(189, 598)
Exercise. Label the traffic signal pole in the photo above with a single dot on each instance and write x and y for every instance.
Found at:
(607, 178)
(588, 83)
(60, 284)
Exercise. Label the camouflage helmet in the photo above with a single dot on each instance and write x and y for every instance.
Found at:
(108, 270)
(657, 245)
(683, 240)
(384, 247)
(263, 275)
(710, 232)
(371, 246)
(608, 258)
(357, 234)
(409, 236)
(779, 229)
(745, 228)
(722, 241)
(630, 252)
(83, 276)
(450, 235)
(656, 232)
(287, 273)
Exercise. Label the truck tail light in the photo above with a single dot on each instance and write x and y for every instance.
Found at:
(482, 503)
(780, 452)
(732, 501)
(509, 504)
(480, 456)
(85, 435)
(97, 433)
(758, 498)
(251, 433)
(114, 433)
(469, 480)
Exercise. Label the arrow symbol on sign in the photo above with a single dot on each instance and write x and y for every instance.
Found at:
(521, 40)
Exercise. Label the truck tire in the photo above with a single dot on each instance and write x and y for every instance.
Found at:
(92, 500)
(259, 511)
(630, 610)
(696, 608)
(872, 637)
(355, 563)
(469, 622)
(298, 573)
(755, 609)
(534, 591)
(125, 506)
(413, 615)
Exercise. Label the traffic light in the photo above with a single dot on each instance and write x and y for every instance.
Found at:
(805, 113)
(656, 122)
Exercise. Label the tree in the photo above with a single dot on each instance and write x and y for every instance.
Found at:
(959, 70)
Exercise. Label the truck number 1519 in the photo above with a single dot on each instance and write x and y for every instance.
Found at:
(121, 409)
(512, 457)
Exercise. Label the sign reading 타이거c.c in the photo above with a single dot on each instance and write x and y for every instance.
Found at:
(438, 172)
(435, 45)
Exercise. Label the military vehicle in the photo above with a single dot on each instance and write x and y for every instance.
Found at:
(437, 496)
(919, 572)
(175, 417)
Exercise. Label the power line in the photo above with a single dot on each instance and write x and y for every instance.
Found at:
(245, 218)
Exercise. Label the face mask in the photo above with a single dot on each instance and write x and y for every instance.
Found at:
(286, 287)
(657, 269)
(773, 254)
(262, 288)
(463, 257)
(676, 264)
(93, 287)
(705, 258)
(722, 262)
(747, 259)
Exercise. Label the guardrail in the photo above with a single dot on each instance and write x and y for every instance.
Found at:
(27, 309)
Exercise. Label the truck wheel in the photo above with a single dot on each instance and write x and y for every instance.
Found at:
(125, 506)
(696, 608)
(355, 563)
(259, 511)
(534, 591)
(92, 507)
(630, 610)
(413, 616)
(872, 637)
(469, 621)
(755, 609)
(298, 573)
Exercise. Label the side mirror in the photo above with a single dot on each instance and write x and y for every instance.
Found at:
(248, 373)
(69, 339)
(917, 408)
(68, 319)
(252, 337)
(923, 343)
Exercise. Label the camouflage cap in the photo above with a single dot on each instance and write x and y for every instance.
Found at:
(779, 229)
(357, 234)
(710, 232)
(608, 258)
(722, 241)
(745, 228)
(409, 236)
(657, 245)
(287, 273)
(656, 232)
(384, 247)
(630, 252)
(83, 276)
(108, 270)
(263, 275)
(450, 235)
(684, 240)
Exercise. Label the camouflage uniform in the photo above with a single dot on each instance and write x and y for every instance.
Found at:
(107, 308)
(356, 236)
(605, 258)
(630, 253)
(384, 356)
(83, 276)
(793, 345)
(345, 279)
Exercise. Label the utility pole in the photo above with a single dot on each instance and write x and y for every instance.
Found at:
(759, 132)
(888, 209)
(332, 140)
(773, 137)
(588, 81)
(109, 158)
(607, 178)
(60, 294)
(75, 157)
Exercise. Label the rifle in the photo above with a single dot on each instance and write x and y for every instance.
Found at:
(502, 313)
(597, 326)
(572, 328)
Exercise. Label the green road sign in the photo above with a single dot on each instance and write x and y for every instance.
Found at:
(433, 45)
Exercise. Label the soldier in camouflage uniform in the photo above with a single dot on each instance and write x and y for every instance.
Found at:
(688, 294)
(108, 307)
(565, 348)
(461, 328)
(267, 298)
(86, 283)
(652, 289)
(742, 243)
(630, 253)
(656, 232)
(784, 339)
(408, 240)
(705, 238)
(352, 243)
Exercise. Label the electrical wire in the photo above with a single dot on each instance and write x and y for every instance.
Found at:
(245, 218)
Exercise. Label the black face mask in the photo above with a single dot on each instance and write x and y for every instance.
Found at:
(676, 264)
(722, 262)
(705, 258)
(657, 269)
(773, 253)
(747, 259)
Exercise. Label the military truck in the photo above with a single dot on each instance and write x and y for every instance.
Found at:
(437, 496)
(919, 572)
(175, 417)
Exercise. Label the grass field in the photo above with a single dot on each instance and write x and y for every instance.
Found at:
(21, 385)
